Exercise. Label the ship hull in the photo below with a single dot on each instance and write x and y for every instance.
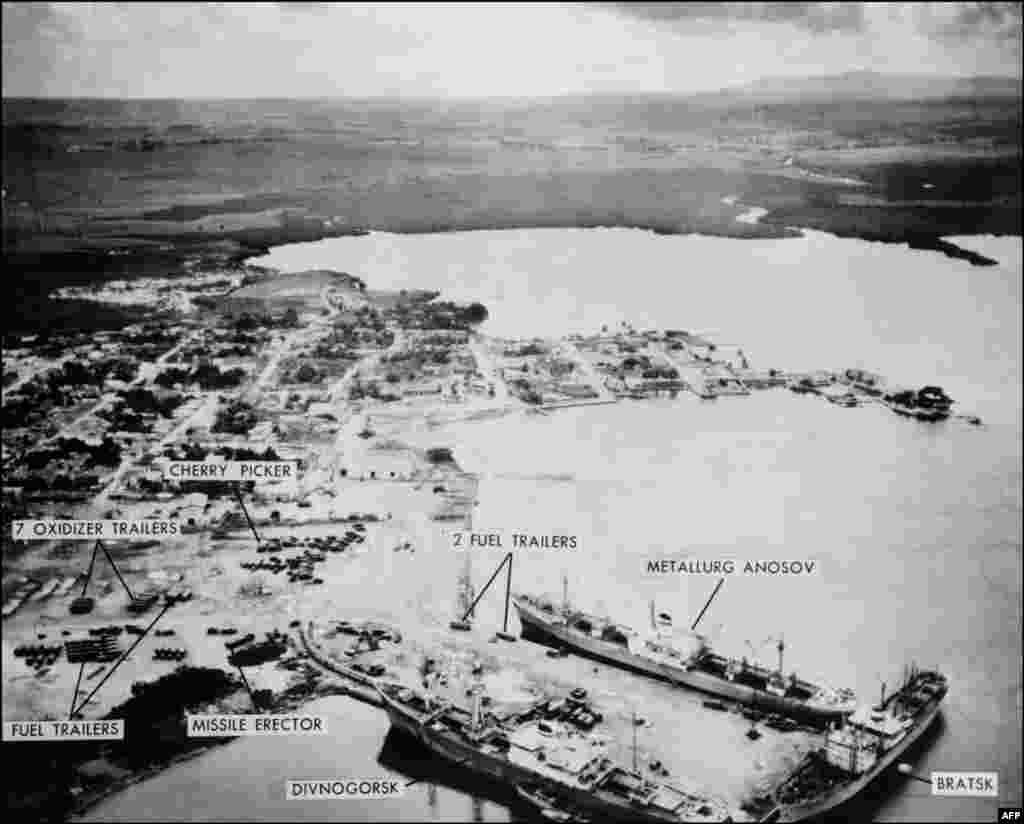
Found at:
(461, 753)
(537, 628)
(829, 803)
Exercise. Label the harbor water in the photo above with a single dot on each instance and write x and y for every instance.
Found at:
(915, 529)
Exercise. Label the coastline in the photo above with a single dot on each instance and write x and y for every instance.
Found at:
(90, 266)
(89, 800)
(292, 699)
(72, 250)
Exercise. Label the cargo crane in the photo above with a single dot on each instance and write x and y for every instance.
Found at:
(780, 647)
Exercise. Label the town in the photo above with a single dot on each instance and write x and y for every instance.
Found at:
(263, 440)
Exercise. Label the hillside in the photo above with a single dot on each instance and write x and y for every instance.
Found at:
(870, 85)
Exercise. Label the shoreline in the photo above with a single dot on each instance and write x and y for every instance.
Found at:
(89, 801)
(69, 259)
(283, 703)
(192, 257)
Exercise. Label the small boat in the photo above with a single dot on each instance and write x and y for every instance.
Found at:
(926, 415)
(245, 639)
(848, 400)
(803, 387)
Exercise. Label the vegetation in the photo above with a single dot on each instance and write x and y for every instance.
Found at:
(237, 418)
(439, 454)
(209, 376)
(154, 715)
(144, 400)
(307, 373)
(475, 313)
(106, 453)
(241, 453)
(206, 374)
(44, 777)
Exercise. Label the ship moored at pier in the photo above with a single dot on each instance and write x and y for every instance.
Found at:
(551, 750)
(684, 659)
(857, 750)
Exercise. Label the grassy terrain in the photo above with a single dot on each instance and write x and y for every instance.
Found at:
(218, 181)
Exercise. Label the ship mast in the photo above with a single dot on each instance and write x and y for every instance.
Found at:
(465, 588)
(635, 764)
(781, 648)
(565, 593)
(465, 584)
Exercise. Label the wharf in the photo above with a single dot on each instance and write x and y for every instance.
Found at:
(570, 404)
(359, 687)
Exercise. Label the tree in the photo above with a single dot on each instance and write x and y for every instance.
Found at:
(108, 453)
(124, 371)
(476, 313)
(171, 376)
(306, 373)
(246, 321)
(236, 419)
(439, 454)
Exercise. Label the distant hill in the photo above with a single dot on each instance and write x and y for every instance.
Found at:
(869, 85)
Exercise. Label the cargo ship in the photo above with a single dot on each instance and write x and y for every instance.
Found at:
(857, 750)
(684, 659)
(563, 764)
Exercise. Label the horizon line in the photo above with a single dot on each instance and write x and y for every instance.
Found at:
(749, 87)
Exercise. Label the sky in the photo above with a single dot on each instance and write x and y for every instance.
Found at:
(301, 49)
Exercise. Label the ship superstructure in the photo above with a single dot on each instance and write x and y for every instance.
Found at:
(683, 658)
(550, 748)
(857, 750)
